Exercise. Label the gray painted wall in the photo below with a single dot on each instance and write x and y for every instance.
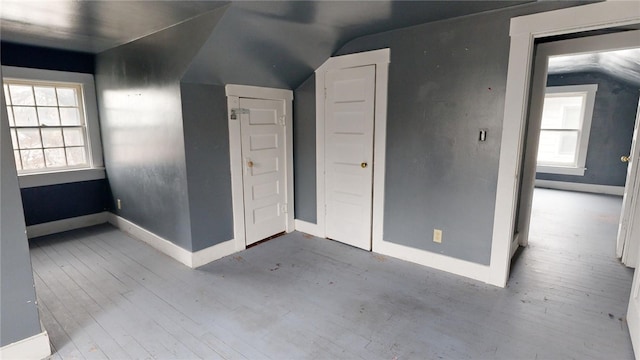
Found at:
(304, 150)
(614, 116)
(18, 312)
(138, 87)
(447, 81)
(206, 137)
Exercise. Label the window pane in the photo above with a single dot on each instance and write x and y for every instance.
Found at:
(7, 98)
(29, 138)
(562, 111)
(16, 155)
(10, 113)
(45, 96)
(67, 97)
(52, 137)
(25, 116)
(73, 137)
(32, 159)
(70, 116)
(21, 95)
(558, 147)
(48, 116)
(76, 156)
(14, 139)
(55, 157)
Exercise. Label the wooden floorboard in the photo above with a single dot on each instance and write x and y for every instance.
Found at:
(104, 295)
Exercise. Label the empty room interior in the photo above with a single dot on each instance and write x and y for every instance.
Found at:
(320, 179)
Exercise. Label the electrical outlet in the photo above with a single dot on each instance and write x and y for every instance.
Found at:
(437, 236)
(119, 204)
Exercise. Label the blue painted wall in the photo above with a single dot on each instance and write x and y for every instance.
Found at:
(57, 202)
(45, 58)
(304, 151)
(447, 80)
(143, 136)
(614, 116)
(63, 201)
(206, 138)
(18, 311)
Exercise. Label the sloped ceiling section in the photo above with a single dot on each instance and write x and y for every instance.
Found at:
(92, 26)
(280, 44)
(621, 64)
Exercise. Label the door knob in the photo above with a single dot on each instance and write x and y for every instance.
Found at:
(624, 158)
(250, 163)
(363, 165)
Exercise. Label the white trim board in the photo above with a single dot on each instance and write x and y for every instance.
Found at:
(234, 93)
(381, 59)
(524, 31)
(573, 186)
(35, 347)
(58, 226)
(188, 258)
(307, 227)
(436, 261)
(60, 177)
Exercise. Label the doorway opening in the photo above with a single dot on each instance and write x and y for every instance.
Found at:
(582, 120)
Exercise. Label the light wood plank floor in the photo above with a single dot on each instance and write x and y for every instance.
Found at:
(103, 295)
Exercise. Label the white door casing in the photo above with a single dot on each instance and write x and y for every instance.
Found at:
(236, 93)
(349, 120)
(524, 30)
(628, 229)
(263, 157)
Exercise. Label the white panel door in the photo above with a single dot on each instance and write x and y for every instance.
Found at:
(263, 154)
(628, 229)
(349, 112)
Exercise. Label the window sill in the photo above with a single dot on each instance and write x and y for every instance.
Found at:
(60, 177)
(561, 170)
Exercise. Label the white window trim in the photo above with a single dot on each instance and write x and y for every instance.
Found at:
(585, 130)
(95, 170)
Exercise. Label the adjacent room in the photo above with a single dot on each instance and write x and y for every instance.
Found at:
(319, 179)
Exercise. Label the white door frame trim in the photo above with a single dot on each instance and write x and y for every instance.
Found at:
(381, 59)
(234, 93)
(524, 30)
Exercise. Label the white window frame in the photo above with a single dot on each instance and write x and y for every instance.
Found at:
(95, 170)
(585, 129)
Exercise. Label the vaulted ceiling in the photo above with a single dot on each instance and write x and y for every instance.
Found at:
(272, 42)
(621, 64)
(275, 42)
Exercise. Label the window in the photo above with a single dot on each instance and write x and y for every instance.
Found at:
(53, 124)
(565, 128)
(47, 125)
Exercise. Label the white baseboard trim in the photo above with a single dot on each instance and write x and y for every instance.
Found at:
(308, 228)
(35, 347)
(188, 258)
(58, 226)
(213, 253)
(437, 261)
(572, 186)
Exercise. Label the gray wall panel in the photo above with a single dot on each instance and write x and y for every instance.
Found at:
(304, 150)
(446, 82)
(614, 116)
(138, 87)
(18, 312)
(206, 134)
